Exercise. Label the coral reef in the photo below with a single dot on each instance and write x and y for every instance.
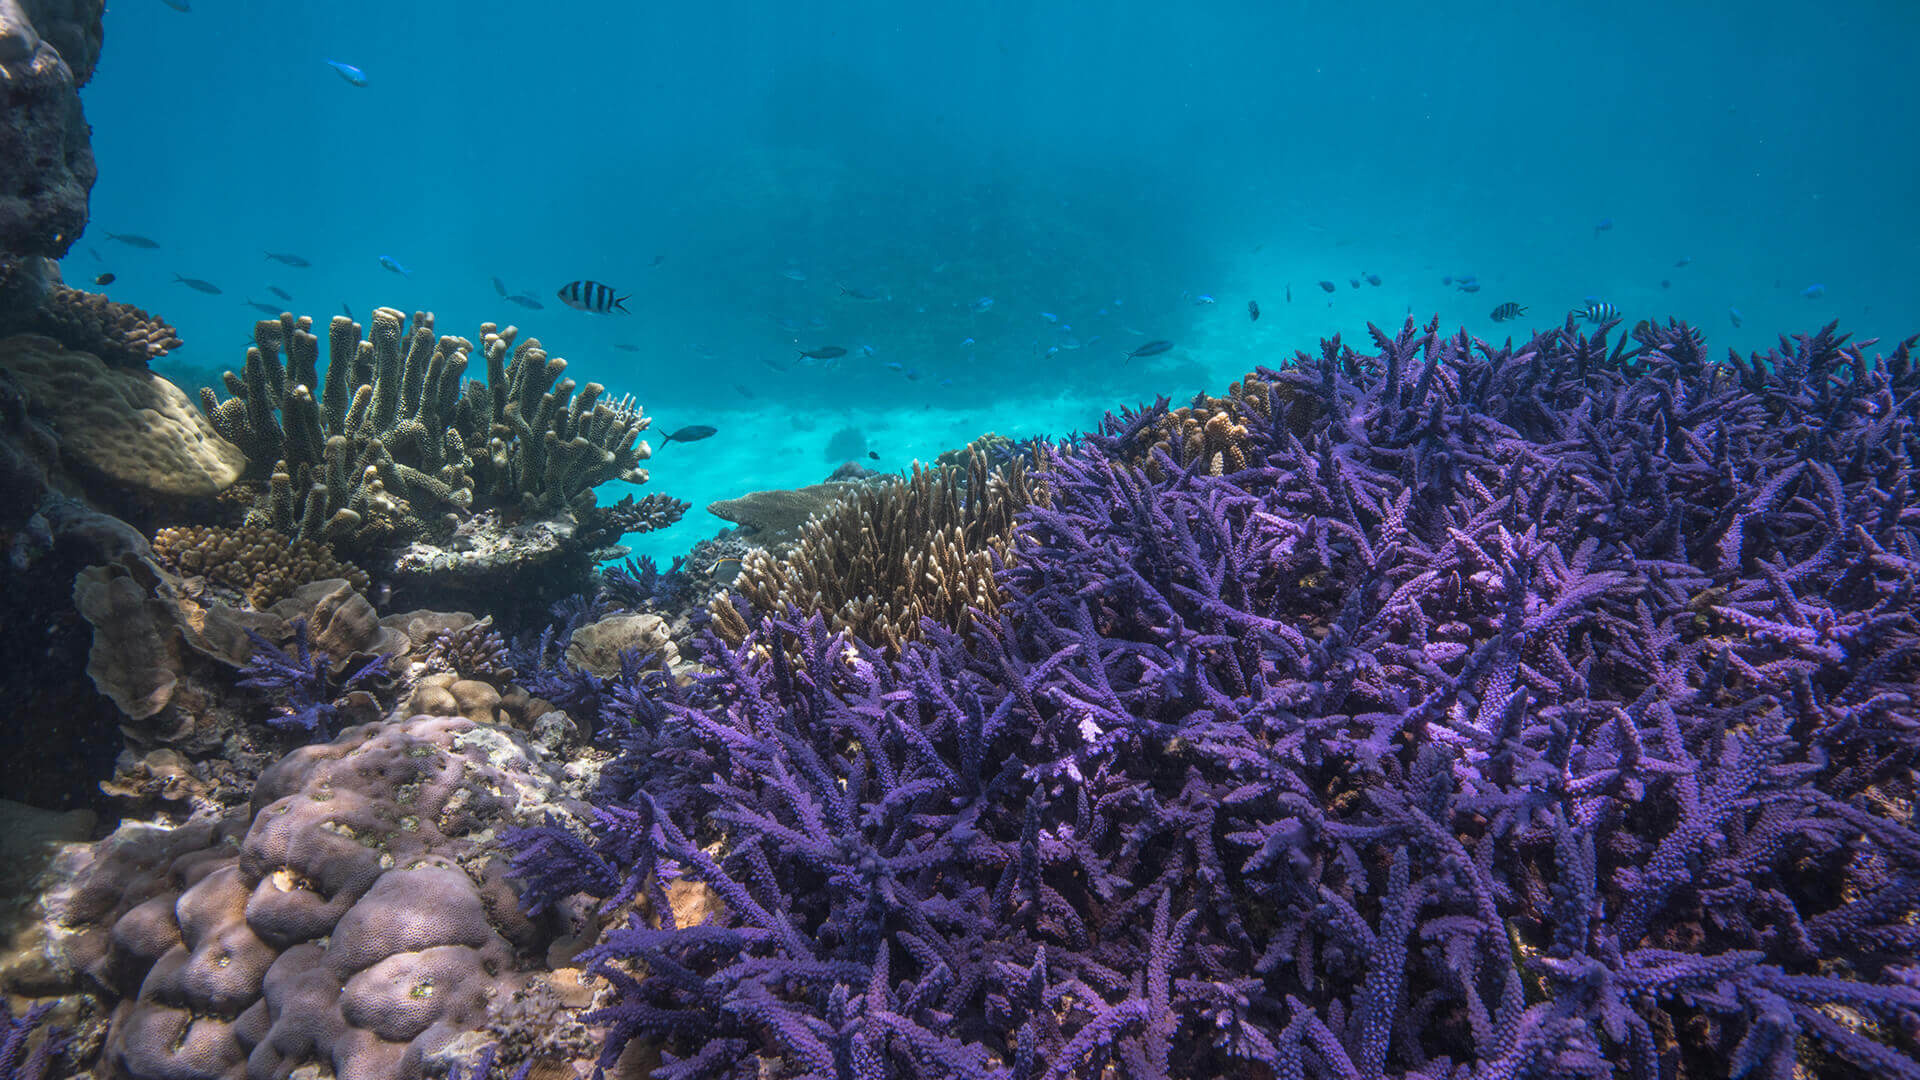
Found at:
(133, 428)
(353, 915)
(1539, 711)
(888, 556)
(312, 700)
(43, 133)
(121, 335)
(266, 566)
(775, 519)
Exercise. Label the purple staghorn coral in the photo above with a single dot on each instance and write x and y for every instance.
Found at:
(304, 681)
(1516, 711)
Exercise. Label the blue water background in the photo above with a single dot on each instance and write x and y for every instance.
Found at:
(1105, 163)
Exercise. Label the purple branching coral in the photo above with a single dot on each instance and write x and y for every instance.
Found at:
(17, 1062)
(303, 680)
(1518, 711)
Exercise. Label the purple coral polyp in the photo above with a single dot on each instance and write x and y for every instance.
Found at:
(1522, 711)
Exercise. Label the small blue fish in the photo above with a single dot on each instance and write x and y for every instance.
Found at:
(968, 341)
(1603, 225)
(1814, 291)
(1049, 316)
(1733, 313)
(896, 365)
(348, 72)
(1202, 300)
(178, 5)
(393, 264)
(983, 303)
(1684, 260)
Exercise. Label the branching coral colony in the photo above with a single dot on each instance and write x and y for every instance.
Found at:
(1536, 711)
(398, 440)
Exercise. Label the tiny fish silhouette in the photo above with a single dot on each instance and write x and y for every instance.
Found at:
(134, 240)
(1355, 282)
(1468, 286)
(859, 294)
(825, 352)
(1253, 310)
(178, 5)
(499, 286)
(290, 260)
(197, 285)
(624, 347)
(1373, 279)
(527, 302)
(264, 309)
(594, 296)
(1603, 225)
(874, 454)
(1814, 291)
(690, 433)
(393, 264)
(1733, 314)
(348, 72)
(345, 310)
(1151, 348)
(1508, 310)
(1289, 292)
(1328, 286)
(104, 279)
(1684, 260)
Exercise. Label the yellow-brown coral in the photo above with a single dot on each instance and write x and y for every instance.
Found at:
(120, 334)
(1212, 430)
(878, 561)
(262, 563)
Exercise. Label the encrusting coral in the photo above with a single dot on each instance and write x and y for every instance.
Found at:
(262, 563)
(395, 448)
(886, 556)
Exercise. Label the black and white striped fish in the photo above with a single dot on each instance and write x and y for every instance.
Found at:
(1508, 310)
(593, 296)
(1597, 311)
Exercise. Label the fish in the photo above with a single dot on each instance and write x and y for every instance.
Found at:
(624, 347)
(526, 301)
(743, 391)
(264, 309)
(657, 260)
(1683, 261)
(1050, 316)
(1603, 225)
(1733, 314)
(1253, 310)
(96, 255)
(982, 303)
(1151, 348)
(896, 365)
(1468, 286)
(1328, 286)
(1597, 311)
(792, 274)
(690, 433)
(179, 5)
(825, 352)
(1665, 284)
(1373, 279)
(860, 294)
(1446, 279)
(594, 296)
(345, 310)
(1508, 310)
(1289, 292)
(197, 285)
(280, 292)
(134, 240)
(499, 286)
(290, 260)
(393, 264)
(1814, 291)
(968, 341)
(781, 368)
(348, 72)
(104, 279)
(1355, 282)
(1202, 300)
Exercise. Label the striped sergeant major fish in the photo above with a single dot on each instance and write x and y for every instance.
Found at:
(593, 296)
(1597, 310)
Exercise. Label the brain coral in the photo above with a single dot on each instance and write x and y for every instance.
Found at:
(133, 426)
(358, 922)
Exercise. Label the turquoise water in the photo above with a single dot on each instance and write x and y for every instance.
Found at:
(733, 166)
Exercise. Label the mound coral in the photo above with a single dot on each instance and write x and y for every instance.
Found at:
(352, 917)
(1537, 711)
(395, 447)
(886, 556)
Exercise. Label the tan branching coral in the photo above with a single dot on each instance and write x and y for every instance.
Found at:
(120, 334)
(886, 556)
(262, 563)
(395, 446)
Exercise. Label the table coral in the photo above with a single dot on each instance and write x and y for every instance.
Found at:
(1514, 711)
